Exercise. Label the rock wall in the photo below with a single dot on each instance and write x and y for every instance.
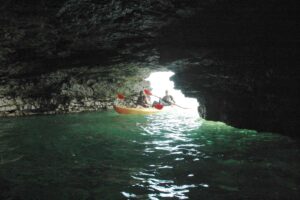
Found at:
(240, 60)
(71, 90)
(70, 55)
(263, 99)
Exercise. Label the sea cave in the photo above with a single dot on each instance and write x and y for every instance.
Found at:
(65, 63)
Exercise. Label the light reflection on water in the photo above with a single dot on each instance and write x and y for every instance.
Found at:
(187, 160)
(165, 156)
(170, 142)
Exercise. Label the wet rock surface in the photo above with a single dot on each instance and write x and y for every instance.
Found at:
(238, 58)
(71, 90)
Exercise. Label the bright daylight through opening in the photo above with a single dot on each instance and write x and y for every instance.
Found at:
(160, 82)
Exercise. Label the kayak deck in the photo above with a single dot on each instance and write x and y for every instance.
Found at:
(127, 110)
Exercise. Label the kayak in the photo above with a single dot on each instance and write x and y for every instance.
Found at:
(141, 111)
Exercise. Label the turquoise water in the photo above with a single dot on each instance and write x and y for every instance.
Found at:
(109, 156)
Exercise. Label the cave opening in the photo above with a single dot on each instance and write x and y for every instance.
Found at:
(160, 82)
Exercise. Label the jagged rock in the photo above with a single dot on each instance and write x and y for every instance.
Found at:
(8, 108)
(26, 107)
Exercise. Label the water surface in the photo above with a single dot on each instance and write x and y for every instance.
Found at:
(109, 156)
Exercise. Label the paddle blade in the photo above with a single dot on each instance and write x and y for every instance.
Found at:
(158, 106)
(148, 92)
(120, 96)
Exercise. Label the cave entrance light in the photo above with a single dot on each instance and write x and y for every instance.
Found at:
(160, 82)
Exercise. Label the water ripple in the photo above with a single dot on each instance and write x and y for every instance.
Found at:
(160, 187)
(110, 156)
(168, 141)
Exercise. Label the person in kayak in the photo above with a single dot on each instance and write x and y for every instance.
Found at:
(143, 100)
(167, 100)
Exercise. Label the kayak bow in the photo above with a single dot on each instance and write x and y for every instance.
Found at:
(142, 111)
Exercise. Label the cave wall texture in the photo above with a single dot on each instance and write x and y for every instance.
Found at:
(238, 58)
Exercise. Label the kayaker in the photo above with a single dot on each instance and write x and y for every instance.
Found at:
(167, 100)
(143, 100)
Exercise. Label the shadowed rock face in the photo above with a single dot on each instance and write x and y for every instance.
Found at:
(239, 58)
(80, 32)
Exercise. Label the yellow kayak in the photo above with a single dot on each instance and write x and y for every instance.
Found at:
(142, 111)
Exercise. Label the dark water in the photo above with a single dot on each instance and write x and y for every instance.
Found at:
(110, 156)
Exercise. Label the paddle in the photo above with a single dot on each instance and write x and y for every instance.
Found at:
(148, 92)
(120, 96)
(158, 106)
